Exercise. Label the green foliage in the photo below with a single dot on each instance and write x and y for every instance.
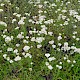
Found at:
(35, 68)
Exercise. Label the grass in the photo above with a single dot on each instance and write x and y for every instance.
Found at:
(24, 69)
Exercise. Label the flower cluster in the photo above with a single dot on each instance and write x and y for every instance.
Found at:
(51, 30)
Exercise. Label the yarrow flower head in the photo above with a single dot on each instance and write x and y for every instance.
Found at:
(26, 48)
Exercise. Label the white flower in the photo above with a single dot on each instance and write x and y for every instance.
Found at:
(33, 39)
(23, 53)
(51, 58)
(75, 32)
(60, 67)
(68, 19)
(23, 18)
(53, 46)
(77, 50)
(77, 17)
(14, 13)
(0, 50)
(50, 67)
(74, 61)
(2, 4)
(22, 32)
(30, 69)
(12, 37)
(66, 23)
(74, 26)
(57, 65)
(4, 44)
(43, 26)
(65, 47)
(47, 55)
(39, 39)
(28, 55)
(39, 46)
(64, 11)
(15, 51)
(51, 42)
(3, 23)
(17, 8)
(1, 10)
(20, 36)
(60, 63)
(16, 28)
(8, 58)
(13, 20)
(72, 65)
(30, 32)
(48, 21)
(43, 31)
(65, 58)
(50, 33)
(17, 45)
(21, 22)
(45, 2)
(41, 18)
(53, 4)
(40, 11)
(17, 58)
(11, 61)
(7, 39)
(25, 41)
(77, 39)
(63, 17)
(73, 47)
(4, 36)
(59, 44)
(40, 6)
(27, 14)
(31, 63)
(74, 37)
(18, 15)
(60, 34)
(73, 12)
(47, 63)
(68, 61)
(59, 37)
(66, 44)
(26, 48)
(30, 20)
(5, 30)
(27, 37)
(10, 49)
(5, 55)
(61, 24)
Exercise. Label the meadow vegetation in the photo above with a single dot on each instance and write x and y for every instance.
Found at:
(39, 39)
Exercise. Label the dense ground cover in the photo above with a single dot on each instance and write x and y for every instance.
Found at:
(39, 39)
